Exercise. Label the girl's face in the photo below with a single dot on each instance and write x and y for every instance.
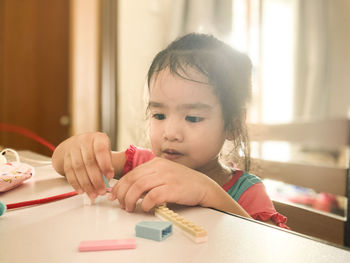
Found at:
(186, 124)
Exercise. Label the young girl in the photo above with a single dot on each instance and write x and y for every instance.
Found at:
(198, 92)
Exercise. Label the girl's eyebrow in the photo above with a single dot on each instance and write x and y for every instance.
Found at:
(198, 105)
(153, 104)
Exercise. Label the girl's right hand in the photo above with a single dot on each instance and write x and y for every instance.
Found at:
(83, 159)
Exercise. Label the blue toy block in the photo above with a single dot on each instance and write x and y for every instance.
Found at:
(155, 230)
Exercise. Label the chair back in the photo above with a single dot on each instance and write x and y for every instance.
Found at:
(318, 160)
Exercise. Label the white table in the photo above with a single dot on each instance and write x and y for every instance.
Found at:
(52, 232)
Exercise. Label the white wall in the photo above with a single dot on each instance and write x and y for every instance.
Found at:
(339, 58)
(84, 65)
(142, 32)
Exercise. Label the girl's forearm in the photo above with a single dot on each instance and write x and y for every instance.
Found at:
(118, 162)
(217, 198)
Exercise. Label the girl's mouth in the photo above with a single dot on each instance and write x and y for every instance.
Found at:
(171, 154)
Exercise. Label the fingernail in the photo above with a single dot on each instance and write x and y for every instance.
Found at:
(93, 196)
(110, 175)
(110, 197)
(92, 200)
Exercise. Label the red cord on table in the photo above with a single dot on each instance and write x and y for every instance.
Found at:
(41, 201)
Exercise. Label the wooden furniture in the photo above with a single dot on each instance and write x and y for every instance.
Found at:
(34, 71)
(331, 137)
(53, 231)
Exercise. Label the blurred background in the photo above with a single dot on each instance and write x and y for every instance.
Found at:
(70, 66)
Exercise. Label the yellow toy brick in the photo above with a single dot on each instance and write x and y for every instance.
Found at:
(191, 230)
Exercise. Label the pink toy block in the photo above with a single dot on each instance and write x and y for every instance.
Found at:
(113, 244)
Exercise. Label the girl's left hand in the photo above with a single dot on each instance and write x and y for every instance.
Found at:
(161, 181)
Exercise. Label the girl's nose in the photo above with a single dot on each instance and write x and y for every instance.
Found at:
(172, 130)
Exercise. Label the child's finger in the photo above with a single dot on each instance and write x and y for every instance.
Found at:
(156, 196)
(121, 187)
(70, 175)
(101, 148)
(92, 169)
(113, 193)
(119, 192)
(137, 189)
(85, 182)
(81, 174)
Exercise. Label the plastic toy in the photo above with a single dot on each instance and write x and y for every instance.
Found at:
(191, 230)
(155, 230)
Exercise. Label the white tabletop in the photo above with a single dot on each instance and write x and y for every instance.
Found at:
(52, 232)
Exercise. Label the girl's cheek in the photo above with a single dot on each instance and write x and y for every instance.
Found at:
(155, 132)
(155, 138)
(152, 128)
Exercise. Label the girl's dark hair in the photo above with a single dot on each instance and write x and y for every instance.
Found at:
(228, 72)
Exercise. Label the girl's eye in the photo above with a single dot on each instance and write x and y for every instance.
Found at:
(193, 119)
(158, 116)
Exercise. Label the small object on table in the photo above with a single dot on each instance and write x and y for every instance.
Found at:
(36, 201)
(13, 174)
(2, 208)
(155, 230)
(113, 244)
(194, 232)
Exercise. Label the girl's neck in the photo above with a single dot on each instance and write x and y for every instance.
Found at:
(217, 171)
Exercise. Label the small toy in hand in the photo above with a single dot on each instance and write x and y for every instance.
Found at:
(12, 174)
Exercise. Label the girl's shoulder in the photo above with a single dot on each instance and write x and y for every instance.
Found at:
(135, 156)
(240, 182)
